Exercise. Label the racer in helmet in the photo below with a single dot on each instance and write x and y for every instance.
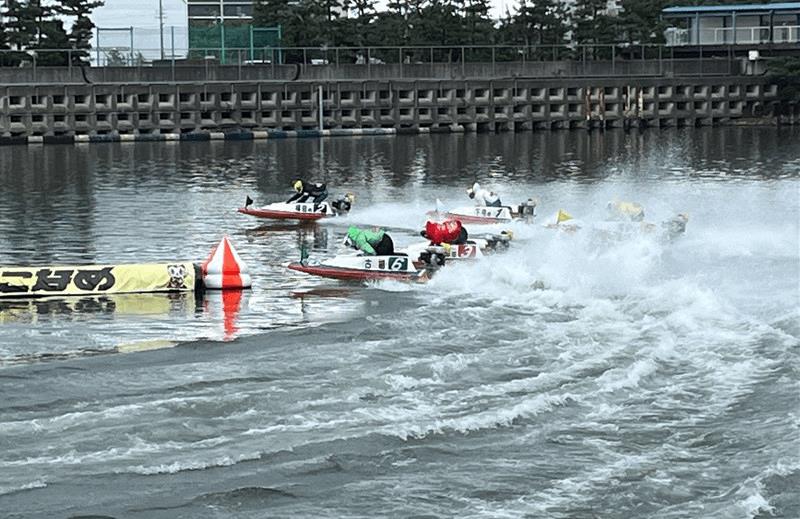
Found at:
(448, 232)
(305, 190)
(483, 197)
(372, 243)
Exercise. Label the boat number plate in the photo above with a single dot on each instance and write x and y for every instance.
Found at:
(490, 212)
(393, 263)
(463, 251)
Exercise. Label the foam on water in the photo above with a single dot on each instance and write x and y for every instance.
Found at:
(574, 373)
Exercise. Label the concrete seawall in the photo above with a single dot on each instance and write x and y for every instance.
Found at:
(243, 109)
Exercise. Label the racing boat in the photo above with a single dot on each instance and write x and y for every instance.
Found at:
(616, 229)
(525, 211)
(474, 248)
(306, 211)
(356, 266)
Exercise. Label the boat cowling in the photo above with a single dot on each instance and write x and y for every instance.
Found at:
(343, 204)
(527, 210)
(500, 241)
(433, 257)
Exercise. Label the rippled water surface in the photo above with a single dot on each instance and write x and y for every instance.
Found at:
(572, 376)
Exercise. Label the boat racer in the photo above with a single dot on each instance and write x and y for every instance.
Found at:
(305, 190)
(484, 197)
(372, 243)
(449, 232)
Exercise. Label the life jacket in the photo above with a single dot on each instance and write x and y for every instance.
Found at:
(443, 232)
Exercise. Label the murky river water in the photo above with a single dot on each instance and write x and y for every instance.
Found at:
(569, 377)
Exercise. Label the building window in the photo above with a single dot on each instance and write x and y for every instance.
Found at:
(203, 10)
(238, 11)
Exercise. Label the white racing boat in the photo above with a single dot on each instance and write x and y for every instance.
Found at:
(623, 228)
(525, 211)
(474, 248)
(416, 262)
(307, 211)
(359, 267)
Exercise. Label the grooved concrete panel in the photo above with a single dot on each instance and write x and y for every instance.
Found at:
(493, 105)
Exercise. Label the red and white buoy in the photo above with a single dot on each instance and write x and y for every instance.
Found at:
(224, 269)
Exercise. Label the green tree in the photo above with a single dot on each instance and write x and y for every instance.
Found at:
(277, 13)
(474, 22)
(358, 30)
(3, 37)
(20, 23)
(785, 73)
(640, 21)
(537, 22)
(52, 36)
(80, 11)
(591, 22)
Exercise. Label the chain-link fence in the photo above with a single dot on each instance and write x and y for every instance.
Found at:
(124, 61)
(225, 42)
(119, 46)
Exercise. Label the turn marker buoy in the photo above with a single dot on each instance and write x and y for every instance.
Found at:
(224, 269)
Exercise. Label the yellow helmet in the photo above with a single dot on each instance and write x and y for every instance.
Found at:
(446, 247)
(298, 186)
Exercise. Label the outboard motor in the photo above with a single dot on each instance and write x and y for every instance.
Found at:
(499, 241)
(342, 205)
(433, 257)
(527, 210)
(676, 226)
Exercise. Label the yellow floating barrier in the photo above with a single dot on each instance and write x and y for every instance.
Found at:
(93, 280)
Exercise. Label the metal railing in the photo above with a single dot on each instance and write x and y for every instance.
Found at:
(730, 36)
(112, 64)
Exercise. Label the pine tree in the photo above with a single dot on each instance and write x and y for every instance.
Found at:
(360, 29)
(640, 21)
(20, 24)
(539, 22)
(592, 24)
(475, 25)
(275, 13)
(52, 36)
(80, 34)
(3, 37)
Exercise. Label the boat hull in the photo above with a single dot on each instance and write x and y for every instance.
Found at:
(478, 220)
(282, 215)
(350, 274)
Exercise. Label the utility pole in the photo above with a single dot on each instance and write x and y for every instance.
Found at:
(161, 25)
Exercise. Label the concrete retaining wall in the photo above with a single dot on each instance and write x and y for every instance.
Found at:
(140, 111)
(208, 72)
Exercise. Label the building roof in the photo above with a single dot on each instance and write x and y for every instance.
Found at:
(738, 8)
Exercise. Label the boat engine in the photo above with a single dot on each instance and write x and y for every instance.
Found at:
(433, 256)
(342, 205)
(675, 226)
(527, 210)
(500, 241)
